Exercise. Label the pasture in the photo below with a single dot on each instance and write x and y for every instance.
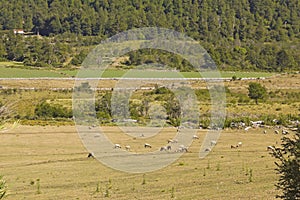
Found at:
(50, 162)
(18, 70)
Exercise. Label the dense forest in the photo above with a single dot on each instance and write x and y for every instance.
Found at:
(238, 34)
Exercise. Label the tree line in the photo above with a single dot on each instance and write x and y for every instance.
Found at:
(238, 34)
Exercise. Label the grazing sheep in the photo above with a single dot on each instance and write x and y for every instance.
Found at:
(284, 132)
(127, 147)
(146, 145)
(247, 128)
(117, 146)
(182, 149)
(239, 144)
(276, 132)
(91, 155)
(195, 137)
(270, 148)
(213, 143)
(165, 148)
(208, 149)
(172, 141)
(265, 132)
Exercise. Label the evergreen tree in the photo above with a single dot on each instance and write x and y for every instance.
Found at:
(248, 24)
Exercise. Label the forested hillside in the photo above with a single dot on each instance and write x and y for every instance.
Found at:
(239, 34)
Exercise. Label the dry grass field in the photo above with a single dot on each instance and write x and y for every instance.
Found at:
(50, 162)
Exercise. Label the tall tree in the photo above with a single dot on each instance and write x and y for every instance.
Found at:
(284, 60)
(55, 25)
(256, 91)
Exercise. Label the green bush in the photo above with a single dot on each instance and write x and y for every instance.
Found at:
(2, 188)
(46, 110)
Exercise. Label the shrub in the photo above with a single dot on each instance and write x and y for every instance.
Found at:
(288, 167)
(233, 78)
(2, 188)
(46, 110)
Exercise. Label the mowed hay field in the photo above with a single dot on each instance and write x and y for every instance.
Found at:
(50, 162)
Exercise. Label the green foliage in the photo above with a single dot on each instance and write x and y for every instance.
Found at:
(47, 110)
(173, 109)
(234, 78)
(284, 60)
(166, 59)
(256, 91)
(2, 187)
(288, 167)
(244, 35)
(161, 90)
(202, 94)
(79, 58)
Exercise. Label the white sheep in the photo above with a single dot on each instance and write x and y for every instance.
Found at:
(270, 148)
(146, 145)
(91, 155)
(165, 148)
(172, 141)
(117, 146)
(127, 147)
(247, 128)
(195, 137)
(182, 149)
(213, 143)
(208, 149)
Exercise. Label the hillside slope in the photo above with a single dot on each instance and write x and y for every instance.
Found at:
(240, 34)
